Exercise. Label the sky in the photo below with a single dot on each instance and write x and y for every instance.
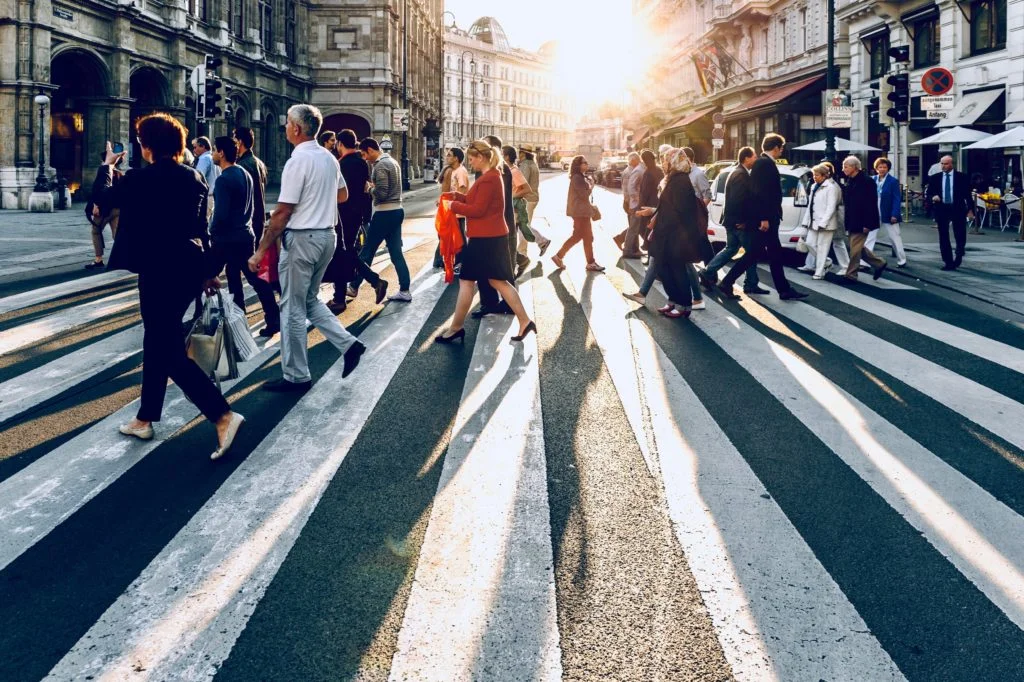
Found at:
(593, 36)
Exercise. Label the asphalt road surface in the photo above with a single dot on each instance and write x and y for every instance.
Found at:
(825, 490)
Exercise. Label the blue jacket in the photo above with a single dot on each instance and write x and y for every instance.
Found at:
(889, 199)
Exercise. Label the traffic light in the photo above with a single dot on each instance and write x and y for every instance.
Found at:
(229, 112)
(900, 54)
(211, 88)
(880, 102)
(899, 112)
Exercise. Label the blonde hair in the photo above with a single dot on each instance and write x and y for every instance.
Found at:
(484, 149)
(823, 169)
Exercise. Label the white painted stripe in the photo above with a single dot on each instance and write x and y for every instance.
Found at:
(979, 535)
(47, 255)
(41, 496)
(769, 611)
(985, 407)
(66, 321)
(180, 618)
(482, 605)
(994, 351)
(39, 385)
(43, 294)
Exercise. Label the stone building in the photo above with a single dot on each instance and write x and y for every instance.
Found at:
(105, 63)
(491, 87)
(357, 56)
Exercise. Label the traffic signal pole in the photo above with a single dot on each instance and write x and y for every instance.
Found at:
(830, 77)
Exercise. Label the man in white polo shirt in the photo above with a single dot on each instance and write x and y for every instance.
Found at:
(307, 211)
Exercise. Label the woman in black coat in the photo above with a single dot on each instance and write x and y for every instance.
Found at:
(161, 235)
(677, 240)
(650, 183)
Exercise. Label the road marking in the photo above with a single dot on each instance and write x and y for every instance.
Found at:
(180, 618)
(983, 347)
(482, 605)
(46, 255)
(66, 321)
(979, 535)
(36, 296)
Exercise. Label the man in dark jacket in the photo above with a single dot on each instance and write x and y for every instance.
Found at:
(737, 189)
(764, 215)
(949, 192)
(860, 200)
(244, 141)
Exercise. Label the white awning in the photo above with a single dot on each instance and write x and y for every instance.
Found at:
(1017, 116)
(970, 108)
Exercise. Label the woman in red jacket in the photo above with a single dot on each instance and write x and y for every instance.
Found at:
(485, 256)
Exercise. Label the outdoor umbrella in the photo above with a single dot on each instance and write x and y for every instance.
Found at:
(842, 145)
(1014, 137)
(957, 135)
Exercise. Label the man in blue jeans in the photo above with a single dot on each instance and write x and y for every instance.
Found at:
(385, 186)
(736, 197)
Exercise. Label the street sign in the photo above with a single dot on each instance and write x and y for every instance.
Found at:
(937, 81)
(937, 114)
(838, 109)
(399, 120)
(718, 133)
(718, 119)
(717, 142)
(386, 144)
(938, 103)
(196, 78)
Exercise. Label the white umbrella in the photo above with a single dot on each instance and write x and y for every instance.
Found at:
(842, 145)
(1014, 137)
(957, 135)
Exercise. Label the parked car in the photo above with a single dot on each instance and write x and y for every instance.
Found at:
(609, 173)
(713, 169)
(796, 183)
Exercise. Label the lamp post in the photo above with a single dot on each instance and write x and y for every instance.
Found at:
(462, 90)
(830, 76)
(405, 94)
(41, 201)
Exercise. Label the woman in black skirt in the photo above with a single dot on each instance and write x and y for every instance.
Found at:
(485, 256)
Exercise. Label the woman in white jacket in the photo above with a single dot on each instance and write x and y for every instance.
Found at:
(822, 217)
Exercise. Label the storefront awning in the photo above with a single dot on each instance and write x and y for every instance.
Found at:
(1017, 116)
(688, 119)
(774, 96)
(640, 134)
(970, 108)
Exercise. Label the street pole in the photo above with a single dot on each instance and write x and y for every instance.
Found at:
(830, 133)
(472, 80)
(405, 94)
(42, 185)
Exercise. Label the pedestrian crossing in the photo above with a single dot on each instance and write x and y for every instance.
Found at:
(842, 477)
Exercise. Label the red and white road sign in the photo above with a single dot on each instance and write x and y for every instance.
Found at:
(937, 81)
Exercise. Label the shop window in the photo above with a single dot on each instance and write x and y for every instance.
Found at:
(877, 48)
(988, 25)
(927, 42)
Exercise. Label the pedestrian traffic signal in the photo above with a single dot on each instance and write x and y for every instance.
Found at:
(900, 54)
(211, 88)
(899, 111)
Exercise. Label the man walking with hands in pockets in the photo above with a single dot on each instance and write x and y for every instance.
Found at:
(307, 211)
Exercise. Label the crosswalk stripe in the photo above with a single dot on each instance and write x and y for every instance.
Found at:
(66, 321)
(45, 255)
(181, 616)
(482, 606)
(985, 407)
(998, 352)
(979, 535)
(49, 293)
(767, 609)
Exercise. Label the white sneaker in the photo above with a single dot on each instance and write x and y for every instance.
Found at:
(804, 268)
(143, 433)
(817, 276)
(401, 297)
(699, 305)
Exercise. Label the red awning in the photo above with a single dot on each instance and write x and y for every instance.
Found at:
(688, 119)
(640, 133)
(775, 95)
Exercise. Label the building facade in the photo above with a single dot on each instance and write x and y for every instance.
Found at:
(491, 87)
(105, 63)
(366, 55)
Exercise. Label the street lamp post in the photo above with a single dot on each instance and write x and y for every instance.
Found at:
(41, 201)
(830, 76)
(405, 94)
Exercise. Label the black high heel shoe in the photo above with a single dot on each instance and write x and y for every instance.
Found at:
(526, 332)
(457, 336)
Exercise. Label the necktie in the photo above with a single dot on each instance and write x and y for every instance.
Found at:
(947, 191)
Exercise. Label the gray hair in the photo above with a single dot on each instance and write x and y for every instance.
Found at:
(853, 162)
(633, 155)
(308, 118)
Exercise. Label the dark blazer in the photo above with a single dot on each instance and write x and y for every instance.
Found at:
(737, 199)
(765, 191)
(962, 198)
(649, 186)
(162, 227)
(359, 206)
(890, 203)
(258, 172)
(860, 201)
(677, 235)
(577, 204)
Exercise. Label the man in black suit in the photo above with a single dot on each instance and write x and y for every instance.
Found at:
(950, 194)
(764, 213)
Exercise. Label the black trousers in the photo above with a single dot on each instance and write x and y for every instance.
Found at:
(351, 263)
(163, 301)
(234, 258)
(488, 294)
(944, 217)
(762, 242)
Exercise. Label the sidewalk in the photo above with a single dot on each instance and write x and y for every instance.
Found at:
(992, 270)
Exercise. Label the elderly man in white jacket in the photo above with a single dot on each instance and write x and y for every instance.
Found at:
(822, 218)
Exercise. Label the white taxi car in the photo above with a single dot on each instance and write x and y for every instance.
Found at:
(796, 183)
